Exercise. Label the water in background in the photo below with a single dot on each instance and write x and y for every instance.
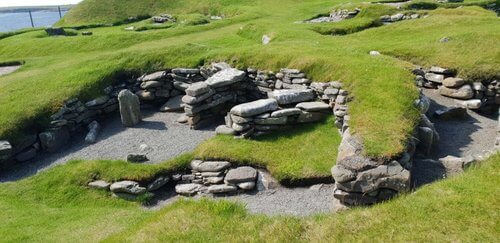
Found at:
(15, 21)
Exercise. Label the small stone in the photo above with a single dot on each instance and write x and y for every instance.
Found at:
(157, 183)
(188, 189)
(444, 39)
(146, 95)
(241, 174)
(183, 118)
(374, 53)
(157, 76)
(471, 104)
(100, 184)
(213, 180)
(174, 104)
(224, 130)
(94, 129)
(98, 101)
(53, 140)
(130, 187)
(151, 84)
(309, 117)
(286, 112)
(266, 39)
(440, 70)
(451, 113)
(316, 187)
(313, 106)
(209, 166)
(341, 174)
(453, 82)
(453, 165)
(197, 89)
(222, 188)
(397, 17)
(185, 71)
(137, 158)
(5, 150)
(465, 92)
(247, 185)
(436, 78)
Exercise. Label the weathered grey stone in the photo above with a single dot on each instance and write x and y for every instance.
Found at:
(197, 89)
(130, 110)
(241, 174)
(341, 174)
(240, 120)
(222, 188)
(5, 150)
(98, 101)
(265, 181)
(426, 138)
(451, 113)
(157, 183)
(100, 184)
(182, 118)
(188, 189)
(319, 86)
(157, 76)
(191, 100)
(240, 127)
(313, 106)
(225, 77)
(151, 84)
(440, 70)
(130, 187)
(146, 95)
(453, 165)
(266, 39)
(423, 104)
(247, 185)
(471, 104)
(213, 180)
(94, 129)
(292, 96)
(173, 104)
(308, 117)
(478, 86)
(436, 78)
(465, 92)
(392, 176)
(26, 155)
(212, 174)
(255, 108)
(286, 112)
(137, 158)
(209, 166)
(397, 17)
(272, 121)
(224, 130)
(453, 82)
(181, 85)
(185, 71)
(53, 140)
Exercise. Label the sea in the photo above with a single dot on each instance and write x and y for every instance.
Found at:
(21, 20)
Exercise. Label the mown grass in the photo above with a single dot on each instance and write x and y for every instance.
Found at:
(56, 206)
(382, 111)
(307, 152)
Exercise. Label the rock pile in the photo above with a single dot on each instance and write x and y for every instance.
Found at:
(483, 95)
(336, 16)
(162, 18)
(215, 177)
(399, 17)
(130, 189)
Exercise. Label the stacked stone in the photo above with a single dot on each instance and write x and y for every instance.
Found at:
(130, 189)
(483, 95)
(263, 83)
(398, 17)
(162, 18)
(292, 79)
(280, 111)
(336, 16)
(215, 177)
(337, 97)
(155, 86)
(205, 101)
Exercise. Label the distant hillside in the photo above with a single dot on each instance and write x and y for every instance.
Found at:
(113, 11)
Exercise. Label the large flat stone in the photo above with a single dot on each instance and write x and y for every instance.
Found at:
(197, 89)
(130, 187)
(313, 106)
(225, 77)
(240, 175)
(286, 112)
(292, 96)
(436, 78)
(188, 189)
(255, 108)
(209, 166)
(464, 93)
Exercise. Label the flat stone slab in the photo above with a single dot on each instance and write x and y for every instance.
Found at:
(255, 108)
(464, 93)
(173, 105)
(291, 96)
(225, 77)
(188, 189)
(313, 106)
(222, 188)
(130, 187)
(197, 89)
(209, 166)
(240, 175)
(286, 112)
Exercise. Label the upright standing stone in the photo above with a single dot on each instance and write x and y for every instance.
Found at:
(129, 108)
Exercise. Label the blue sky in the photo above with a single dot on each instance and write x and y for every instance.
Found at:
(11, 3)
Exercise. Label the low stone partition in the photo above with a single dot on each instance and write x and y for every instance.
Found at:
(483, 96)
(387, 19)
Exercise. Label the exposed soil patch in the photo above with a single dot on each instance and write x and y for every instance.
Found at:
(8, 69)
(164, 137)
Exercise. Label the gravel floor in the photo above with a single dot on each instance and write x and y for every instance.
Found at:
(8, 69)
(299, 201)
(165, 138)
(460, 138)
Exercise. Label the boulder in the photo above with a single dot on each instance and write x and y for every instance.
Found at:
(188, 189)
(286, 112)
(240, 175)
(157, 183)
(473, 104)
(221, 188)
(341, 174)
(209, 166)
(453, 165)
(174, 104)
(436, 78)
(265, 181)
(313, 106)
(225, 77)
(130, 110)
(464, 93)
(255, 108)
(52, 140)
(453, 82)
(397, 17)
(100, 184)
(197, 89)
(292, 96)
(94, 129)
(224, 130)
(130, 187)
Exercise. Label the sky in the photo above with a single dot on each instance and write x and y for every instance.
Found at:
(11, 3)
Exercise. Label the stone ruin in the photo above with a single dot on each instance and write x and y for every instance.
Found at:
(336, 16)
(387, 19)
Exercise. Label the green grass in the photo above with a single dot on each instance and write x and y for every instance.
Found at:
(382, 111)
(307, 152)
(55, 205)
